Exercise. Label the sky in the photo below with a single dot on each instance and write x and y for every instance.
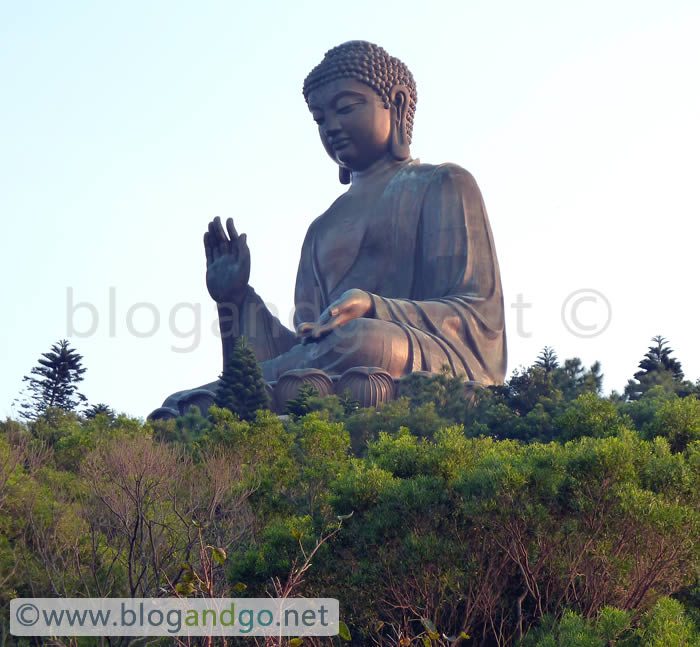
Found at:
(126, 127)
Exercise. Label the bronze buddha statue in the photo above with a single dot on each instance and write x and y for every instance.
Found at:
(399, 273)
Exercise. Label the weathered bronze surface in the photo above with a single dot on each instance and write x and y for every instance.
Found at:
(399, 273)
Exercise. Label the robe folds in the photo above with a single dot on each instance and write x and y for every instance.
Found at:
(427, 258)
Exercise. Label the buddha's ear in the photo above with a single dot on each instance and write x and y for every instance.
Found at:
(399, 133)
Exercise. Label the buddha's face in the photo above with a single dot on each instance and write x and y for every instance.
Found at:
(353, 123)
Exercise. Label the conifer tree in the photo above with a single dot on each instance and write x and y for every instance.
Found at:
(301, 405)
(349, 404)
(242, 389)
(656, 368)
(54, 382)
(100, 409)
(658, 358)
(573, 378)
(547, 359)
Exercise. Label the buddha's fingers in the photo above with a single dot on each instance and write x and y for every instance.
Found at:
(216, 249)
(216, 230)
(323, 319)
(324, 329)
(329, 320)
(232, 234)
(213, 234)
(218, 237)
(242, 248)
(305, 328)
(304, 331)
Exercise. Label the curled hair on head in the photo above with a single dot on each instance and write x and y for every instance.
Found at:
(369, 64)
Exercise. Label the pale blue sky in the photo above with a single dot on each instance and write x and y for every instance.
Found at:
(125, 127)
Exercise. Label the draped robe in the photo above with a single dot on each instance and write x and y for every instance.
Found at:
(426, 256)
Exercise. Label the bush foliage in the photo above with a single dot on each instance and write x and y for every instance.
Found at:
(537, 513)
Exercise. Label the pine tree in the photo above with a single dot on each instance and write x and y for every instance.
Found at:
(547, 359)
(54, 383)
(593, 379)
(100, 409)
(301, 405)
(656, 368)
(242, 388)
(573, 379)
(349, 404)
(658, 358)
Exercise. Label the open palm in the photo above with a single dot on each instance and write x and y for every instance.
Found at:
(228, 262)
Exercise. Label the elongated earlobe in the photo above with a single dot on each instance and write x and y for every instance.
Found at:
(399, 134)
(344, 175)
(399, 145)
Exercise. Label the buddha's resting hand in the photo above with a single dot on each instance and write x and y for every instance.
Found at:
(353, 304)
(228, 262)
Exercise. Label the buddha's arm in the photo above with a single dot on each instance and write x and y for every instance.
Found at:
(264, 333)
(241, 311)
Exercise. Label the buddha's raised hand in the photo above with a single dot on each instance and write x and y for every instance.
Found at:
(228, 262)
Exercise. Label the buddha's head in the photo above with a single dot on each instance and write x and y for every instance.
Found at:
(364, 102)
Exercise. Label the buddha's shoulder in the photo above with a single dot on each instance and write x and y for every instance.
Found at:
(447, 174)
(445, 178)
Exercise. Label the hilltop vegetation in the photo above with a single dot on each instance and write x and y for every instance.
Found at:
(539, 514)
